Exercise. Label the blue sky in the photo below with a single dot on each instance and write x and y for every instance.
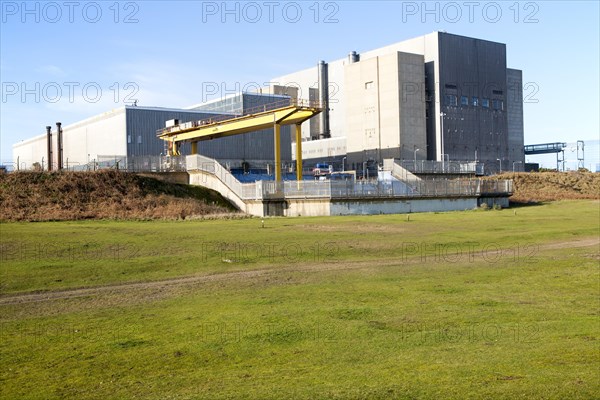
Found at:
(65, 61)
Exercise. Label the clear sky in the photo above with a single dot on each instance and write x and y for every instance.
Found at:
(69, 60)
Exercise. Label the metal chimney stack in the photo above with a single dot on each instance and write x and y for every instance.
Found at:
(49, 142)
(59, 140)
(323, 71)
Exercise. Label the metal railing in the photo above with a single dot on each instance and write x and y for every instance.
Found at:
(122, 163)
(245, 191)
(439, 167)
(248, 112)
(263, 190)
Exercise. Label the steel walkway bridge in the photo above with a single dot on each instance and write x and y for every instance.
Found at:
(544, 148)
(285, 112)
(548, 148)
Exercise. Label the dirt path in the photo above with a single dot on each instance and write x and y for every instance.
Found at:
(20, 298)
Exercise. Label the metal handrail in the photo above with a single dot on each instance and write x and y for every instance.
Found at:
(351, 189)
(251, 111)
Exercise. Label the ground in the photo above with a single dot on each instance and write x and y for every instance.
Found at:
(104, 194)
(476, 304)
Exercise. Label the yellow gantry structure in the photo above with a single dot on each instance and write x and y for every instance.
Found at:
(286, 112)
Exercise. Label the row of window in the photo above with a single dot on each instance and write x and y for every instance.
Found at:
(452, 100)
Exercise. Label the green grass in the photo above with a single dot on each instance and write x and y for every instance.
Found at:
(367, 316)
(57, 255)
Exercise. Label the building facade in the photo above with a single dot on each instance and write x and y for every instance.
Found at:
(438, 97)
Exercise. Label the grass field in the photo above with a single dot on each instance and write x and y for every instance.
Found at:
(477, 304)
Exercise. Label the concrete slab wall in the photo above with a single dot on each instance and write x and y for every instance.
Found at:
(396, 206)
(308, 208)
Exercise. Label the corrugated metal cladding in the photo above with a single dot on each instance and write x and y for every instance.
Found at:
(251, 146)
(473, 74)
(142, 125)
(252, 101)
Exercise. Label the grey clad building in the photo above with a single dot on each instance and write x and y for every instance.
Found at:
(438, 96)
(435, 97)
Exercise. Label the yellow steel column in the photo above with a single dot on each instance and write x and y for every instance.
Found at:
(277, 152)
(298, 152)
(194, 147)
(175, 151)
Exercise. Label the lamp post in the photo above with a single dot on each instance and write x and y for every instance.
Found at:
(415, 153)
(442, 115)
(516, 162)
(500, 161)
(343, 164)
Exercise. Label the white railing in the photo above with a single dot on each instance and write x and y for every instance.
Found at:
(439, 167)
(263, 190)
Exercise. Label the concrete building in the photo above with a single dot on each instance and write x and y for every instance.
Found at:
(438, 96)
(116, 134)
(128, 132)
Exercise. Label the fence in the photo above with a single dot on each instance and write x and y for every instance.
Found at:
(123, 163)
(441, 167)
(333, 189)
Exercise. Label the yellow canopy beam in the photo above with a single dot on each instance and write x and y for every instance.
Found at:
(206, 130)
(291, 112)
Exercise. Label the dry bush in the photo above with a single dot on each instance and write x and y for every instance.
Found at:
(106, 194)
(552, 186)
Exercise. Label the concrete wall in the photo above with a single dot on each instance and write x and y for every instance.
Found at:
(396, 206)
(451, 64)
(308, 208)
(382, 120)
(83, 141)
(30, 151)
(324, 149)
(514, 108)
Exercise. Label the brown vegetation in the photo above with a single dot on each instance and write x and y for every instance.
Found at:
(552, 186)
(107, 194)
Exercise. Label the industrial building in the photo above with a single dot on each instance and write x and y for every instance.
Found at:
(438, 97)
(128, 135)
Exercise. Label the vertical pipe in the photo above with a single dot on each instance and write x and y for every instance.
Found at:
(194, 148)
(277, 140)
(49, 143)
(323, 75)
(298, 152)
(59, 139)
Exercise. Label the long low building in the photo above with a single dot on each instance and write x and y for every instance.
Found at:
(129, 132)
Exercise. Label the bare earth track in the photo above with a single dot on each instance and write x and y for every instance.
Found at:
(24, 298)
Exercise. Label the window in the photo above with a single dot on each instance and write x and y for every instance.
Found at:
(450, 100)
(485, 103)
(369, 85)
(498, 104)
(464, 101)
(475, 101)
(128, 138)
(140, 139)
